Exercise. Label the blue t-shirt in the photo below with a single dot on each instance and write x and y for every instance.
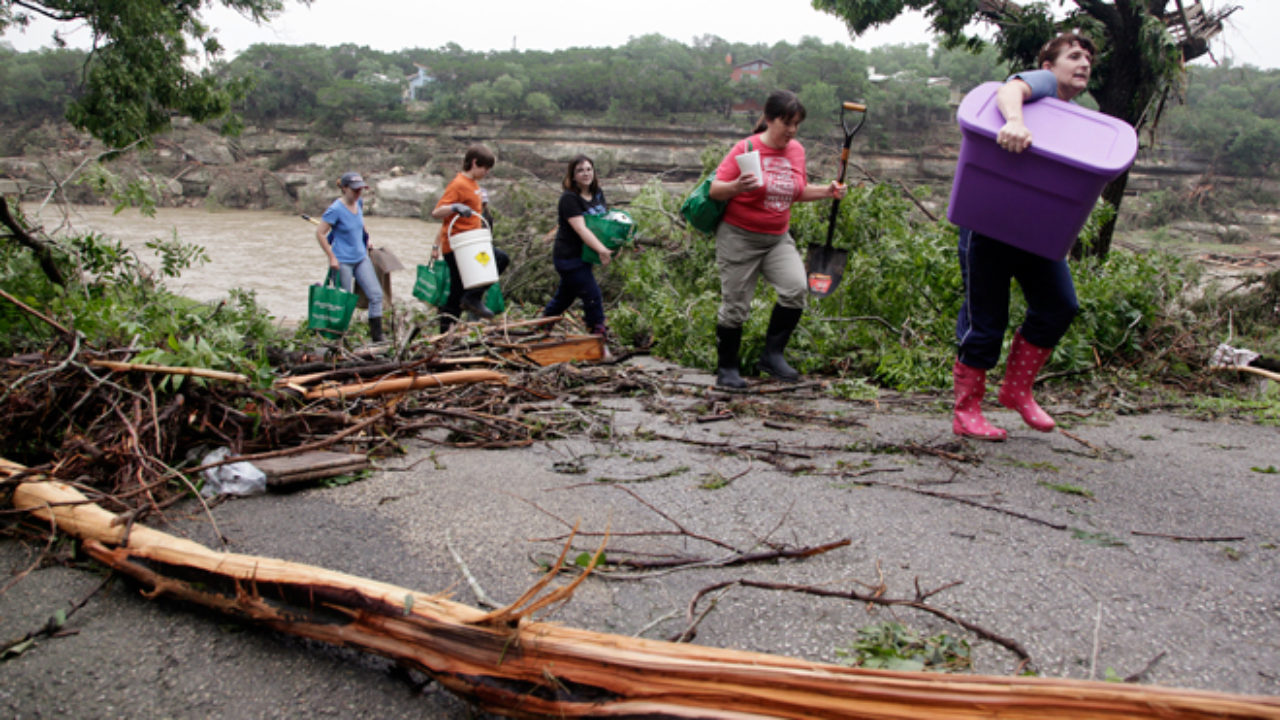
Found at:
(1043, 83)
(347, 235)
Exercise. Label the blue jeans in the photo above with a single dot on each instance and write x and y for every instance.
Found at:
(987, 265)
(577, 282)
(364, 273)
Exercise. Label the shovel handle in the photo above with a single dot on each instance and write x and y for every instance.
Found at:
(844, 159)
(310, 219)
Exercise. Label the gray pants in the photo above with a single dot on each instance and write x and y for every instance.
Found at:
(366, 274)
(742, 256)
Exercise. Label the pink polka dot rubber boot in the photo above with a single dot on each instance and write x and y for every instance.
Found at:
(970, 385)
(1020, 371)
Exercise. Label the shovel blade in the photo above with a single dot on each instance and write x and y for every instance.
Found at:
(826, 268)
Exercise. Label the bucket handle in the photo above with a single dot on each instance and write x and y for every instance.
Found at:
(449, 231)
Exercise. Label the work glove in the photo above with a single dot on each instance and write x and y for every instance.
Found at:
(461, 209)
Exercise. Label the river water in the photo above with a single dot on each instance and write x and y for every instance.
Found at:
(272, 253)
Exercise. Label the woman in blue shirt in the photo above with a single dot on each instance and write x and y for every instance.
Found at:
(988, 265)
(342, 237)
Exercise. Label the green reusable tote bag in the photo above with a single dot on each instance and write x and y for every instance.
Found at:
(432, 285)
(615, 229)
(700, 210)
(493, 299)
(329, 307)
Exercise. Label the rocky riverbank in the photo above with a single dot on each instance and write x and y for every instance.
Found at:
(291, 166)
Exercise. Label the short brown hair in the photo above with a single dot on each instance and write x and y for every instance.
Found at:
(478, 155)
(1055, 47)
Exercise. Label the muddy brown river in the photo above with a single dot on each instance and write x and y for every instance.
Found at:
(272, 253)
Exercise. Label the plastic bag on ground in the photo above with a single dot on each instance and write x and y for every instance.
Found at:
(238, 478)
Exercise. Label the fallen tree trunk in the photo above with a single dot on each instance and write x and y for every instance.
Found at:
(514, 666)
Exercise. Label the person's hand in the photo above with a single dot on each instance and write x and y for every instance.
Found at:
(747, 182)
(333, 262)
(462, 210)
(1014, 136)
(838, 189)
(606, 256)
(435, 251)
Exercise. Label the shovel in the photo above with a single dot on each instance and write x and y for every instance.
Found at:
(825, 263)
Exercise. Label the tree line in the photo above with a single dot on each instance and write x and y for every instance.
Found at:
(1230, 114)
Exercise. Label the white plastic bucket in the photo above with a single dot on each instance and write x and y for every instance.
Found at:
(473, 250)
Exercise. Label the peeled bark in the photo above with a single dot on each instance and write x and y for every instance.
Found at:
(511, 665)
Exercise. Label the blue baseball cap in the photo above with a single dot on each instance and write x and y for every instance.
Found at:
(352, 180)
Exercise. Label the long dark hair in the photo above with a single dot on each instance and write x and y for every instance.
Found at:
(568, 182)
(780, 104)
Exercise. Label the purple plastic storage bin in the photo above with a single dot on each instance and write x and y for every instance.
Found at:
(1038, 199)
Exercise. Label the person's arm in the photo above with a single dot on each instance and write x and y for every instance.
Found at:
(1014, 135)
(322, 236)
(818, 192)
(442, 211)
(579, 225)
(728, 189)
(449, 203)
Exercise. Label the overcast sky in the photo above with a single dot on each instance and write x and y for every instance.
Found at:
(542, 25)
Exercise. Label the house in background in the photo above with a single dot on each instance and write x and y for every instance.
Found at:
(748, 72)
(417, 82)
(954, 98)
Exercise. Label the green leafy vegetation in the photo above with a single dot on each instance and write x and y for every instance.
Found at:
(892, 319)
(115, 299)
(892, 646)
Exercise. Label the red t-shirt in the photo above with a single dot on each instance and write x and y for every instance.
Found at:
(767, 210)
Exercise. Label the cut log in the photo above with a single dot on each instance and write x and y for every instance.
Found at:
(527, 669)
(395, 385)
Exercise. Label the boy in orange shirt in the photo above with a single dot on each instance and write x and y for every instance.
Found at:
(464, 198)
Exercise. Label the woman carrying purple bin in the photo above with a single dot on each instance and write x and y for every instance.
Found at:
(987, 265)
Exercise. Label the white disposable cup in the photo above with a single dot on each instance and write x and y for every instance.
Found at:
(749, 163)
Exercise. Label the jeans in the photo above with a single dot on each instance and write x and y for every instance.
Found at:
(364, 273)
(987, 265)
(577, 281)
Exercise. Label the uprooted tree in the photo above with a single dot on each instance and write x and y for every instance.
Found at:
(1143, 46)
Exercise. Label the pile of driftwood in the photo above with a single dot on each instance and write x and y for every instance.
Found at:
(133, 436)
(120, 438)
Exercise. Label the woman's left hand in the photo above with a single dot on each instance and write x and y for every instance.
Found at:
(838, 190)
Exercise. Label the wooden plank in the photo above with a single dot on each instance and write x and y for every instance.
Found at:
(312, 465)
(589, 348)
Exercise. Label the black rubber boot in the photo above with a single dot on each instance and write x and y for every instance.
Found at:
(375, 329)
(473, 302)
(781, 324)
(728, 342)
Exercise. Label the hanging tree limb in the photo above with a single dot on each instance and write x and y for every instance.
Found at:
(41, 248)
